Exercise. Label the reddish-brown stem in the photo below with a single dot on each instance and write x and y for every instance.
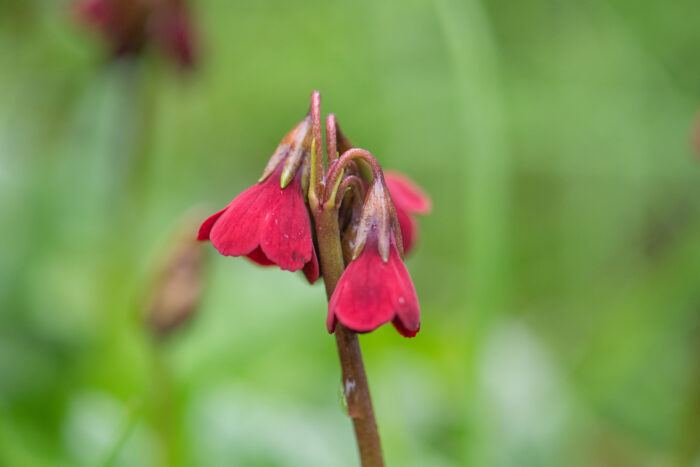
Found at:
(336, 169)
(331, 139)
(351, 180)
(354, 378)
(358, 398)
(317, 170)
(355, 386)
(342, 141)
(338, 140)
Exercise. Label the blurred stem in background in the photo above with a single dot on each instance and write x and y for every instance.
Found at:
(485, 168)
(132, 418)
(128, 201)
(165, 415)
(173, 297)
(135, 133)
(689, 441)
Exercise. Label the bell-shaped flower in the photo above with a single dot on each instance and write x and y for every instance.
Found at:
(376, 287)
(269, 222)
(409, 199)
(128, 26)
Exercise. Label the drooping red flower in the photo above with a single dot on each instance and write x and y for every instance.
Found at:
(409, 199)
(172, 30)
(269, 222)
(129, 25)
(376, 287)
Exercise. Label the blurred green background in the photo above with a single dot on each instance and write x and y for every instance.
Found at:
(559, 274)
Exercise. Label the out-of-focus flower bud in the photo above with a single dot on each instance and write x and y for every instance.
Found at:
(176, 290)
(129, 26)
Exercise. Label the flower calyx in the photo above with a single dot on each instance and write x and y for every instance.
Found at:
(293, 150)
(378, 219)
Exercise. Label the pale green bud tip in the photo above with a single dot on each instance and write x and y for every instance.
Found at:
(287, 177)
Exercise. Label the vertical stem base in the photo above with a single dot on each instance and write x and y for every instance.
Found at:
(356, 390)
(355, 387)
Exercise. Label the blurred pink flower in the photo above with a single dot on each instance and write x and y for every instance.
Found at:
(128, 26)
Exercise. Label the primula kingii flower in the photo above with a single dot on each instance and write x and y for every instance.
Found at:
(129, 25)
(376, 287)
(269, 222)
(408, 199)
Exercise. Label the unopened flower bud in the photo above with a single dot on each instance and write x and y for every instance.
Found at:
(175, 294)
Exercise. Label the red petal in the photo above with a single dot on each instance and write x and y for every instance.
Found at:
(94, 12)
(205, 228)
(311, 269)
(331, 320)
(409, 230)
(268, 224)
(257, 256)
(403, 330)
(371, 292)
(285, 236)
(173, 31)
(237, 229)
(406, 194)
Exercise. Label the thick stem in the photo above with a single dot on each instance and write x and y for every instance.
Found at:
(358, 398)
(355, 385)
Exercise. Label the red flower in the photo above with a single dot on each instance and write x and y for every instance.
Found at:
(376, 287)
(172, 30)
(269, 222)
(408, 199)
(129, 25)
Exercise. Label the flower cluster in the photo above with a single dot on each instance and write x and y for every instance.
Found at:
(360, 217)
(129, 26)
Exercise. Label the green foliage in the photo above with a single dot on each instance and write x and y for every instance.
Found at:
(558, 274)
